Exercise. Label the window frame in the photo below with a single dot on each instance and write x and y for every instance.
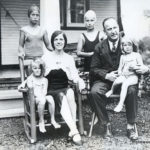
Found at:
(71, 26)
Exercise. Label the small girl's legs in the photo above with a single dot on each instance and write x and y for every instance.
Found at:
(72, 103)
(41, 106)
(51, 107)
(66, 114)
(118, 81)
(131, 80)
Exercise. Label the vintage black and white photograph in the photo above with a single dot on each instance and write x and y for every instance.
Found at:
(74, 74)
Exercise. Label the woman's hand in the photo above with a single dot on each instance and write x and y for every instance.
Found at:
(81, 84)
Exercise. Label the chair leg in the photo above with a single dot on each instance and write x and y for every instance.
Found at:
(22, 72)
(33, 117)
(81, 126)
(92, 124)
(136, 130)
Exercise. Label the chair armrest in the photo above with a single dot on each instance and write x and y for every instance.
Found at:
(114, 96)
(23, 90)
(73, 85)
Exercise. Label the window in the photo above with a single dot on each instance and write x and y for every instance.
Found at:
(72, 12)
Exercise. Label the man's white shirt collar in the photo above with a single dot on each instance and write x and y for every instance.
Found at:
(111, 44)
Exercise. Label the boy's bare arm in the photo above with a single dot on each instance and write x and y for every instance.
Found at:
(21, 52)
(80, 45)
(46, 41)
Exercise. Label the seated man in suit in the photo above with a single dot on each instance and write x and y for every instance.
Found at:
(104, 64)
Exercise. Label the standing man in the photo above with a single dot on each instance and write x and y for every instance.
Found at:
(104, 64)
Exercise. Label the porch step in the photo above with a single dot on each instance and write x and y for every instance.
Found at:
(9, 83)
(11, 101)
(10, 94)
(11, 108)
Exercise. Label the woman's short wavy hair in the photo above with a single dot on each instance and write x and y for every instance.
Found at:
(32, 8)
(40, 63)
(55, 34)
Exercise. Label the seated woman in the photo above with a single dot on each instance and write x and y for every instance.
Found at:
(60, 68)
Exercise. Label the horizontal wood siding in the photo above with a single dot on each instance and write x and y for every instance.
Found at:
(18, 10)
(10, 31)
(103, 9)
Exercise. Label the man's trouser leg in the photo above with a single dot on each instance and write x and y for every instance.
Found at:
(98, 101)
(131, 104)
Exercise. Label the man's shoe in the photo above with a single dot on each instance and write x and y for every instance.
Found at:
(132, 134)
(107, 131)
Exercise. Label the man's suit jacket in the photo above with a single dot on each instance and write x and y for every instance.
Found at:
(101, 63)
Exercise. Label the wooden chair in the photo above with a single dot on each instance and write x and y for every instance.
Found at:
(30, 113)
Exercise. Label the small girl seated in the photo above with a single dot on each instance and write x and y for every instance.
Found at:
(127, 76)
(39, 83)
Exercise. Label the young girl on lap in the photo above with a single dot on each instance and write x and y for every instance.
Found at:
(127, 76)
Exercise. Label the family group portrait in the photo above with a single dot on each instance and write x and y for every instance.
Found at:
(74, 75)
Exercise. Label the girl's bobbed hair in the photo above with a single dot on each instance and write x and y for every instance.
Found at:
(38, 61)
(55, 34)
(128, 39)
(33, 8)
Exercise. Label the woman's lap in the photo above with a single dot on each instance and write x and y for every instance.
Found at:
(58, 95)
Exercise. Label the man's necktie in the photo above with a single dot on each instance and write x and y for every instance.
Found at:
(114, 47)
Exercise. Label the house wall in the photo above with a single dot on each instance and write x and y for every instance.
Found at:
(136, 20)
(18, 10)
(103, 9)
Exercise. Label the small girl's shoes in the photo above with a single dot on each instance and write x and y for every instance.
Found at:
(55, 124)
